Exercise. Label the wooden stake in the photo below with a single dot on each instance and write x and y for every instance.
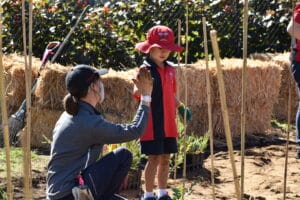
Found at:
(213, 35)
(288, 125)
(244, 94)
(177, 90)
(185, 99)
(209, 108)
(287, 139)
(5, 125)
(26, 138)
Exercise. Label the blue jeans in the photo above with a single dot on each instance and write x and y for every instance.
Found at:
(298, 126)
(104, 178)
(296, 75)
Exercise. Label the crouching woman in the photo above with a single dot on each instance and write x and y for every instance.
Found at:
(81, 132)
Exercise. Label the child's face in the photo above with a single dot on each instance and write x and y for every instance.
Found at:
(159, 55)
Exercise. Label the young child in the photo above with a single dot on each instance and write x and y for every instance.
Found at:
(159, 138)
(294, 30)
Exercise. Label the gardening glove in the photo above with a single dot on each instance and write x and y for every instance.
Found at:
(182, 109)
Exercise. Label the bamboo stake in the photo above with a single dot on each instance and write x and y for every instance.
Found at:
(288, 125)
(213, 35)
(5, 118)
(26, 138)
(244, 94)
(185, 99)
(177, 93)
(287, 140)
(209, 107)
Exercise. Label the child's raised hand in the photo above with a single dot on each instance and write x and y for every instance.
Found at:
(144, 81)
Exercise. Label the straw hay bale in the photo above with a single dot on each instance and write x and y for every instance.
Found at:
(196, 83)
(118, 87)
(15, 79)
(195, 75)
(281, 107)
(263, 83)
(262, 90)
(119, 105)
(42, 124)
(51, 87)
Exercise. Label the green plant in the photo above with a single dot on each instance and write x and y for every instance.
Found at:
(16, 160)
(3, 194)
(282, 125)
(196, 144)
(178, 192)
(134, 148)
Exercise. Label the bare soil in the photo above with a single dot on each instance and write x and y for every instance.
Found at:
(264, 172)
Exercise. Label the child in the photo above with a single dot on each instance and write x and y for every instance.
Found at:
(294, 30)
(159, 138)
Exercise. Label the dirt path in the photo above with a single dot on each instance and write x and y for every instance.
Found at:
(264, 172)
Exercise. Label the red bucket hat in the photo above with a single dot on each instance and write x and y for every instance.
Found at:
(159, 36)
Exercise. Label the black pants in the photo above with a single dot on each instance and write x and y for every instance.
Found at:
(104, 178)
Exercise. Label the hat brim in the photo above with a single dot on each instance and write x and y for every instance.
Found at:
(145, 47)
(102, 71)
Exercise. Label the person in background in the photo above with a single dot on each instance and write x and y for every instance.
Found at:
(81, 132)
(160, 137)
(294, 30)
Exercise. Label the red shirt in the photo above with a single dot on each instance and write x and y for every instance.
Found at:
(297, 44)
(168, 83)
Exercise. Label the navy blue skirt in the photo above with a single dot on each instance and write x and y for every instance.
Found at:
(158, 147)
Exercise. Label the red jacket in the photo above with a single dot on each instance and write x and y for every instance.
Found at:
(296, 45)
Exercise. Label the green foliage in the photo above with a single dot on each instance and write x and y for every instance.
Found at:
(108, 33)
(3, 194)
(196, 144)
(16, 160)
(178, 192)
(134, 148)
(282, 125)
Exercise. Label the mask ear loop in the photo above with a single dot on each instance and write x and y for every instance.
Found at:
(75, 99)
(100, 92)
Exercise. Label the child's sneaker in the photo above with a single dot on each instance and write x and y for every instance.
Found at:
(165, 197)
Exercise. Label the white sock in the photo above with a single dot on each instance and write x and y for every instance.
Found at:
(162, 192)
(148, 194)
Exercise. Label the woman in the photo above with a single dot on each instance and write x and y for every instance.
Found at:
(81, 132)
(294, 30)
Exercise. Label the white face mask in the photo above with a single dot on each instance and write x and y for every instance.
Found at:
(102, 92)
